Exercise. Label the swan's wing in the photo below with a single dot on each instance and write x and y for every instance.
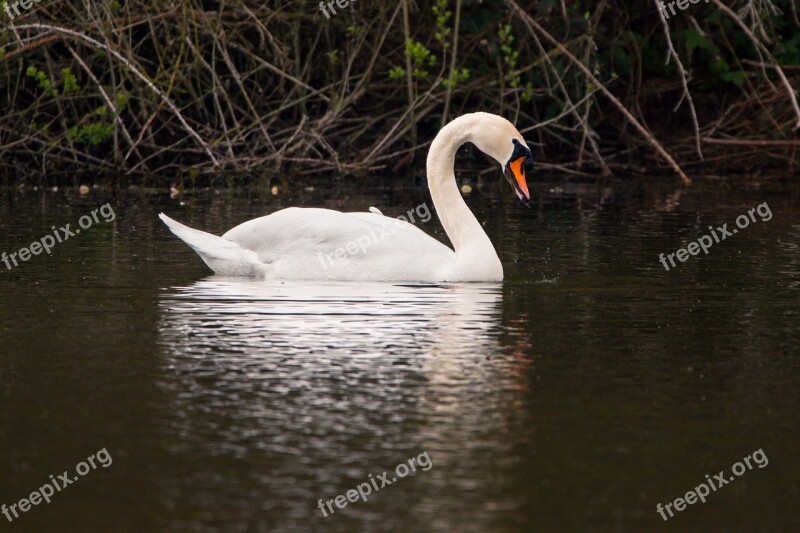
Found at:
(321, 243)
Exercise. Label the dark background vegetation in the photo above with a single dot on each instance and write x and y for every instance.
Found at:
(170, 92)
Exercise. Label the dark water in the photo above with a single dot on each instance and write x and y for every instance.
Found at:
(586, 389)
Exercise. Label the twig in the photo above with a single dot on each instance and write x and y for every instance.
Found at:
(449, 87)
(682, 71)
(409, 80)
(534, 26)
(751, 142)
(760, 46)
(573, 109)
(111, 105)
(134, 71)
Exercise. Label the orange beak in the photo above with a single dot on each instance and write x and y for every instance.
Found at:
(515, 174)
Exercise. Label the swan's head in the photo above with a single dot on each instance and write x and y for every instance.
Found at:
(498, 138)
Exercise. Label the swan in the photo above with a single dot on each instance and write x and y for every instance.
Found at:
(322, 244)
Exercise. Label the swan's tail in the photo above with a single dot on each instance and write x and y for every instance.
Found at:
(221, 255)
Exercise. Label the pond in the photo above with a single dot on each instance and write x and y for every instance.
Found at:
(589, 387)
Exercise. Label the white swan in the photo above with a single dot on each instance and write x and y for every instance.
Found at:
(321, 244)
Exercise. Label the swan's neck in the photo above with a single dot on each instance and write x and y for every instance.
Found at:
(470, 241)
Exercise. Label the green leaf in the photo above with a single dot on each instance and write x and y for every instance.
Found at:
(70, 81)
(397, 73)
(719, 67)
(695, 39)
(736, 77)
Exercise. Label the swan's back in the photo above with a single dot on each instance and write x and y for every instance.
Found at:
(312, 243)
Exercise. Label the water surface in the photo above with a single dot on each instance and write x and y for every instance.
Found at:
(581, 392)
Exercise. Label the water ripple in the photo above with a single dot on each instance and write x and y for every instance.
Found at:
(332, 381)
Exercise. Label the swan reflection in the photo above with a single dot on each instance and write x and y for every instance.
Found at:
(328, 381)
(268, 319)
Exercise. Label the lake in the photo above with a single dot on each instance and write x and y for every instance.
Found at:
(586, 389)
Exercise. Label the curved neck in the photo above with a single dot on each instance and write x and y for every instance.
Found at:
(461, 226)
